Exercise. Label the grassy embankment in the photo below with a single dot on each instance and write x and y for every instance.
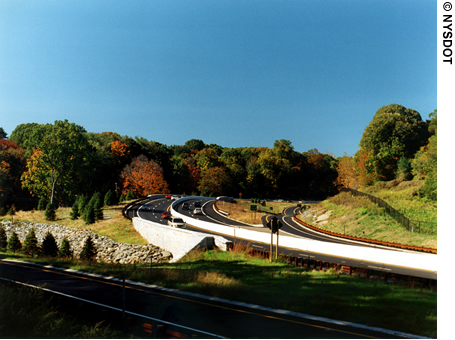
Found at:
(238, 276)
(358, 216)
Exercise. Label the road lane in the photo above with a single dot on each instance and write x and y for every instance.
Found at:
(191, 311)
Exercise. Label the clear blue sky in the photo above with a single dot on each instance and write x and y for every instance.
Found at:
(234, 73)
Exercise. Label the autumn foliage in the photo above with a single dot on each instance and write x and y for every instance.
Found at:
(143, 177)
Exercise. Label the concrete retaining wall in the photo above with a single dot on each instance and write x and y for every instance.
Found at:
(175, 240)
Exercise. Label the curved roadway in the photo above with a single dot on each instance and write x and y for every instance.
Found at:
(152, 208)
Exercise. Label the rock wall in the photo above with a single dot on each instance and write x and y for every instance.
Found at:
(107, 250)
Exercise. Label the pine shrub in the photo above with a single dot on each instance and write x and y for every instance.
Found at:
(2, 211)
(88, 250)
(13, 245)
(74, 214)
(49, 246)
(130, 196)
(31, 247)
(42, 204)
(49, 214)
(121, 198)
(12, 210)
(3, 239)
(65, 249)
(109, 198)
(89, 214)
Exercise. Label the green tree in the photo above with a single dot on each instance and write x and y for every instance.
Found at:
(59, 153)
(14, 244)
(3, 134)
(49, 213)
(49, 246)
(89, 216)
(42, 203)
(88, 250)
(425, 163)
(65, 249)
(109, 198)
(74, 214)
(394, 132)
(30, 246)
(3, 239)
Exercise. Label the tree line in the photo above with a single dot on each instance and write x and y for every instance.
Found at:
(62, 161)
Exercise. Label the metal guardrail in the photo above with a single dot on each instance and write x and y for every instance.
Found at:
(410, 225)
(366, 240)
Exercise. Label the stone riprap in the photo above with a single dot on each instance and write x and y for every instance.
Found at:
(107, 250)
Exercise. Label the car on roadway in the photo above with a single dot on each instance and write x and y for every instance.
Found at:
(168, 197)
(166, 215)
(197, 211)
(176, 222)
(185, 206)
(197, 204)
(174, 197)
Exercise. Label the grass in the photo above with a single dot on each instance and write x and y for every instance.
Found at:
(27, 313)
(238, 276)
(277, 285)
(358, 216)
(114, 225)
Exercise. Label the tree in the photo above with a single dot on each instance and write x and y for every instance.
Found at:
(346, 172)
(42, 203)
(89, 216)
(425, 163)
(74, 214)
(49, 213)
(49, 246)
(109, 198)
(3, 134)
(3, 239)
(143, 177)
(395, 131)
(30, 247)
(14, 245)
(88, 250)
(65, 249)
(213, 181)
(59, 154)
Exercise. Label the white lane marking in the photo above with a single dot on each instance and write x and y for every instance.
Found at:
(114, 308)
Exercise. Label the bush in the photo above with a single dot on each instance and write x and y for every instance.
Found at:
(31, 247)
(3, 240)
(74, 214)
(130, 196)
(42, 203)
(121, 198)
(65, 249)
(97, 206)
(14, 245)
(49, 214)
(109, 198)
(89, 214)
(82, 200)
(2, 211)
(49, 246)
(88, 250)
(12, 210)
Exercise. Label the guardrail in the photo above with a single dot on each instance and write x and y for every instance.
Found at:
(366, 240)
(410, 225)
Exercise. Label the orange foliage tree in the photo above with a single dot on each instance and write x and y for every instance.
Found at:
(346, 172)
(143, 177)
(119, 151)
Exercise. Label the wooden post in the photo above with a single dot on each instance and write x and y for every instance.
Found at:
(271, 244)
(276, 255)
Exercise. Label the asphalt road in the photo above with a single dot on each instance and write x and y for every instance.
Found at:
(156, 204)
(153, 312)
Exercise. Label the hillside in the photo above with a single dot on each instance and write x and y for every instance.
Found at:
(358, 216)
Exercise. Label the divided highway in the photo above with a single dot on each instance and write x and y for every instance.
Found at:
(152, 208)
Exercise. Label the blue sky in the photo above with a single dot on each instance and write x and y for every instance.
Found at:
(233, 73)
